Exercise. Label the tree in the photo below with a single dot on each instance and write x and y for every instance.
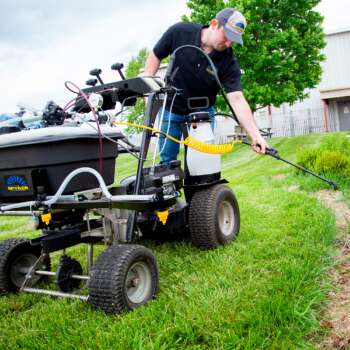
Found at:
(135, 113)
(281, 55)
(136, 64)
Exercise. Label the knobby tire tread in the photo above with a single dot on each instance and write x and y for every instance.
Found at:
(107, 280)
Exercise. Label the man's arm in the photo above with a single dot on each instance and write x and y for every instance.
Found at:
(246, 119)
(152, 64)
(151, 68)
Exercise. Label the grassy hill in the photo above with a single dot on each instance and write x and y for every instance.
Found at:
(263, 291)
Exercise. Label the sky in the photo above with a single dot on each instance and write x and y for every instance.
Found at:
(44, 43)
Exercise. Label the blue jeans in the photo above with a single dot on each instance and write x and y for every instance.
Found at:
(169, 149)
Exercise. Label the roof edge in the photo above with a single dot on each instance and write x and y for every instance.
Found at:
(338, 31)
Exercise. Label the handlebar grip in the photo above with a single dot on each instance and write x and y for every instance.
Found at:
(117, 66)
(95, 71)
(271, 152)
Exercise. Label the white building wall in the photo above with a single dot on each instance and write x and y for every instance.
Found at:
(336, 70)
(308, 115)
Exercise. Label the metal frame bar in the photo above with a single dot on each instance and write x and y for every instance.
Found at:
(139, 205)
(146, 136)
(52, 273)
(55, 293)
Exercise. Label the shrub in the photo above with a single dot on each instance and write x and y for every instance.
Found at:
(332, 157)
(336, 142)
(332, 162)
(307, 157)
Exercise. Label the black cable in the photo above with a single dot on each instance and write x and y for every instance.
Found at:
(81, 92)
(127, 98)
(117, 143)
(128, 150)
(213, 72)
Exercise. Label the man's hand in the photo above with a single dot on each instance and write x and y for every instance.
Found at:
(259, 144)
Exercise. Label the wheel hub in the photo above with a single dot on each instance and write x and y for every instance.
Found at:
(19, 269)
(226, 218)
(134, 282)
(138, 282)
(66, 268)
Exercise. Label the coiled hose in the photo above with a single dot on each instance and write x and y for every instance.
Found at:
(190, 141)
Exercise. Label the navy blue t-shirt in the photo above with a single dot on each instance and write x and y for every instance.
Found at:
(192, 75)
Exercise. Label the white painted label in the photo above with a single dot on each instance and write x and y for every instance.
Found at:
(169, 178)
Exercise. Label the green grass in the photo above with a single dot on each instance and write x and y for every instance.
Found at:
(263, 291)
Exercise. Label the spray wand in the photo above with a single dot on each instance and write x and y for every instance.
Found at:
(274, 154)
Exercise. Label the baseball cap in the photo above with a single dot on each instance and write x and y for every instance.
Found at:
(234, 24)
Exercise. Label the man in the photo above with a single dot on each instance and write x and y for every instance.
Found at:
(192, 76)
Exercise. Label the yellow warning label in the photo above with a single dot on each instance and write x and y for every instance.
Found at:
(46, 218)
(163, 216)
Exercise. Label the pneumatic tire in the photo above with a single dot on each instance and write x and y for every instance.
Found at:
(123, 278)
(17, 257)
(214, 217)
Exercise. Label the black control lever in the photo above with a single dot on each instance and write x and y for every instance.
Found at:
(96, 73)
(118, 67)
(91, 82)
(170, 89)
